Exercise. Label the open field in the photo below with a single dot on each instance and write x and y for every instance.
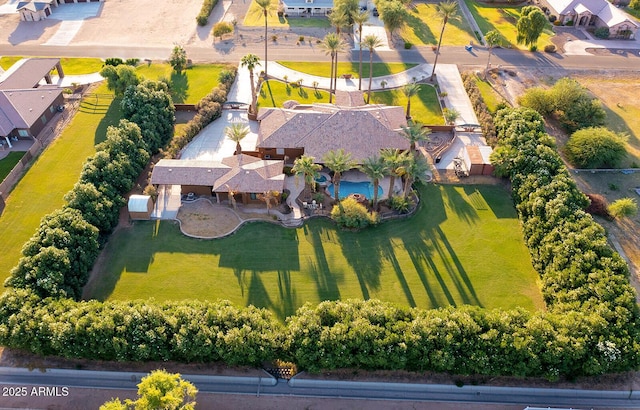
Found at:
(423, 27)
(324, 69)
(52, 175)
(71, 66)
(464, 246)
(503, 18)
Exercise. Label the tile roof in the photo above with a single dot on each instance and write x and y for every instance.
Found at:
(606, 11)
(24, 107)
(29, 73)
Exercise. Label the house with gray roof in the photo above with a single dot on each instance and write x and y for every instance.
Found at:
(593, 14)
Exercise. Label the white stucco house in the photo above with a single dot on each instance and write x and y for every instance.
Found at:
(307, 7)
(593, 14)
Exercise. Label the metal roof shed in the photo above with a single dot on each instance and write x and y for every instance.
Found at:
(140, 207)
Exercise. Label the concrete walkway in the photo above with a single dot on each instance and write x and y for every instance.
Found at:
(580, 47)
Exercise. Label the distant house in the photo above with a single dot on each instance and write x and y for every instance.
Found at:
(593, 13)
(26, 106)
(307, 7)
(362, 130)
(36, 10)
(246, 176)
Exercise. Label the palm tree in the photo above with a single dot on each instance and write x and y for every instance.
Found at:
(338, 20)
(269, 198)
(251, 61)
(394, 160)
(306, 166)
(371, 42)
(236, 132)
(359, 18)
(493, 39)
(332, 44)
(446, 10)
(394, 15)
(415, 133)
(265, 7)
(409, 90)
(375, 168)
(338, 161)
(414, 170)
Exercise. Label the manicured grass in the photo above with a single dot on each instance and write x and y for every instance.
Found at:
(324, 69)
(490, 96)
(504, 19)
(52, 175)
(464, 246)
(190, 86)
(424, 106)
(255, 18)
(7, 163)
(635, 13)
(274, 93)
(423, 27)
(71, 66)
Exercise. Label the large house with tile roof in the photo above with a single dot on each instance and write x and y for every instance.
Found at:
(593, 13)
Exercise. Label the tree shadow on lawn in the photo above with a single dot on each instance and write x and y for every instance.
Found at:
(490, 198)
(179, 87)
(363, 252)
(326, 281)
(459, 205)
(260, 297)
(420, 29)
(112, 116)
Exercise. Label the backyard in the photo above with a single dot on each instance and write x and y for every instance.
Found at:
(71, 66)
(8, 162)
(464, 246)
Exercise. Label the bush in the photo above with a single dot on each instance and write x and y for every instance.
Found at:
(407, 45)
(400, 204)
(569, 23)
(132, 61)
(221, 28)
(602, 32)
(598, 206)
(538, 99)
(482, 111)
(348, 213)
(113, 61)
(553, 18)
(595, 148)
(623, 208)
(550, 48)
(203, 17)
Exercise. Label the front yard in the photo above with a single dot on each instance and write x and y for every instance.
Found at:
(464, 246)
(423, 27)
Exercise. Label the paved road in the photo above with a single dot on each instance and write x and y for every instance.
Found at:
(267, 386)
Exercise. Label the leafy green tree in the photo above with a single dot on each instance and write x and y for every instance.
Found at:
(359, 18)
(236, 132)
(251, 61)
(306, 166)
(150, 106)
(410, 90)
(595, 148)
(99, 207)
(583, 113)
(446, 10)
(120, 77)
(414, 133)
(332, 45)
(623, 208)
(538, 99)
(126, 139)
(493, 39)
(375, 168)
(530, 26)
(353, 215)
(371, 42)
(338, 161)
(265, 7)
(159, 390)
(42, 273)
(393, 14)
(178, 59)
(221, 28)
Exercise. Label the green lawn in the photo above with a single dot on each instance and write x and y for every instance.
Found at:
(423, 27)
(52, 175)
(504, 19)
(71, 66)
(7, 163)
(635, 13)
(190, 86)
(489, 95)
(323, 69)
(274, 93)
(424, 106)
(464, 246)
(255, 18)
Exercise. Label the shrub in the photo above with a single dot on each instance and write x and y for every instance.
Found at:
(350, 214)
(598, 206)
(407, 45)
(301, 39)
(400, 204)
(113, 61)
(623, 208)
(132, 61)
(203, 17)
(553, 18)
(221, 28)
(274, 38)
(595, 148)
(602, 32)
(569, 23)
(482, 111)
(550, 48)
(635, 4)
(538, 99)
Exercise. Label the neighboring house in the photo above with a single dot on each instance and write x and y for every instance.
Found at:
(307, 7)
(361, 130)
(246, 176)
(26, 107)
(594, 14)
(36, 10)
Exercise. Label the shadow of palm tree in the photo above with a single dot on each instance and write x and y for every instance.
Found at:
(179, 87)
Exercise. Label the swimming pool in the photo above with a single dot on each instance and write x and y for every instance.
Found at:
(322, 178)
(364, 188)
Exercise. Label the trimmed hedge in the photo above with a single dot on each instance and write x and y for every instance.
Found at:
(207, 6)
(480, 108)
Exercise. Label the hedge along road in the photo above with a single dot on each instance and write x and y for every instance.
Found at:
(304, 388)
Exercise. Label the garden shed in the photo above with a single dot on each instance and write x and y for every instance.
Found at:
(140, 207)
(477, 160)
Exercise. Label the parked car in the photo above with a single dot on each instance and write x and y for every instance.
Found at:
(375, 12)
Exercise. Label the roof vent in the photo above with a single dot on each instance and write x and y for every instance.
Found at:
(170, 169)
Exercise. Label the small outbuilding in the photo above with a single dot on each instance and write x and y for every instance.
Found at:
(477, 160)
(140, 207)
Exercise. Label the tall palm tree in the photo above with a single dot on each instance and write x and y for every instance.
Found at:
(251, 61)
(338, 19)
(415, 133)
(375, 168)
(359, 18)
(306, 166)
(409, 90)
(338, 161)
(265, 7)
(332, 44)
(236, 132)
(493, 38)
(414, 170)
(395, 160)
(446, 10)
(371, 42)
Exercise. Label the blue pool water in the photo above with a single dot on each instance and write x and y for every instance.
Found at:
(322, 179)
(346, 188)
